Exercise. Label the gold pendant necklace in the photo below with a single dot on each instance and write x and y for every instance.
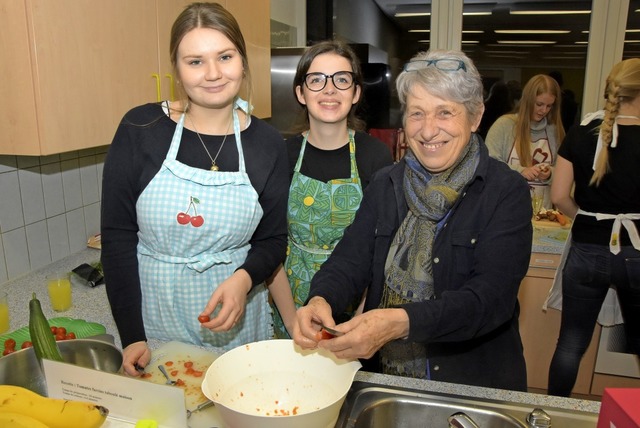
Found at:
(214, 167)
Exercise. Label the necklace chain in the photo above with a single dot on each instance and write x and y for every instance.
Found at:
(214, 167)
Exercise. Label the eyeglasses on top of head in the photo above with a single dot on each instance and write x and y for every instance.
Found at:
(342, 80)
(444, 64)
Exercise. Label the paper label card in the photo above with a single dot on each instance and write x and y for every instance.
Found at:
(127, 398)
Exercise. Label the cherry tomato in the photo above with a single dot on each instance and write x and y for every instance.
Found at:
(60, 336)
(197, 373)
(324, 335)
(180, 382)
(188, 364)
(70, 335)
(61, 330)
(204, 318)
(26, 344)
(8, 351)
(174, 373)
(168, 363)
(189, 371)
(53, 329)
(10, 344)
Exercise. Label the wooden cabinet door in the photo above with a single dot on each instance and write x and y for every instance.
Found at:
(88, 63)
(18, 119)
(539, 329)
(168, 11)
(252, 17)
(91, 62)
(72, 68)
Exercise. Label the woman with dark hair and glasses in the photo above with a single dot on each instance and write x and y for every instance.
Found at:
(331, 161)
(441, 243)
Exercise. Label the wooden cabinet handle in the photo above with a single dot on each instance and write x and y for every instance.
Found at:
(157, 77)
(171, 90)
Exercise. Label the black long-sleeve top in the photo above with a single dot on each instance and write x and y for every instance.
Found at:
(324, 165)
(480, 256)
(136, 154)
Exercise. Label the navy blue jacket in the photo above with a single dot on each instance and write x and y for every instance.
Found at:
(480, 256)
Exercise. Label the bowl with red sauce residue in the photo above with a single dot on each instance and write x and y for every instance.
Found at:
(277, 384)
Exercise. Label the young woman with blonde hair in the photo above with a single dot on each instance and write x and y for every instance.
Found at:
(528, 140)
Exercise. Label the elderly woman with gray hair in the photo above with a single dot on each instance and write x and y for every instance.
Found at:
(441, 243)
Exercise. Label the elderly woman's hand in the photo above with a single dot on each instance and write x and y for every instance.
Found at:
(309, 318)
(365, 334)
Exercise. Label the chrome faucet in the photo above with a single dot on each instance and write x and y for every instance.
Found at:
(538, 418)
(461, 420)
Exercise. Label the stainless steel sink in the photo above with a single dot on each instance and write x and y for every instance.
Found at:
(372, 406)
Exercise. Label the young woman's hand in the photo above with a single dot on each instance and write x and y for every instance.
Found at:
(231, 294)
(530, 173)
(135, 355)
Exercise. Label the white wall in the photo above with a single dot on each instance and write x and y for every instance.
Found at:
(293, 13)
(49, 206)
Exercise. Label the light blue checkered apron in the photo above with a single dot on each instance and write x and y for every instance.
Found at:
(182, 264)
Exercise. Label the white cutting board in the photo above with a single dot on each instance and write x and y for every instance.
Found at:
(178, 353)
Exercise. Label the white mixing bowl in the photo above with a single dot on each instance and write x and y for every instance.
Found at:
(277, 384)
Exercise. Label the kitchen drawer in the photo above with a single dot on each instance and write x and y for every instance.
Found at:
(543, 265)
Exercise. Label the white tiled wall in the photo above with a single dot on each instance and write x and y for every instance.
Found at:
(49, 207)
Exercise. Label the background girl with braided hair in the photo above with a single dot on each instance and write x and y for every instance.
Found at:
(601, 158)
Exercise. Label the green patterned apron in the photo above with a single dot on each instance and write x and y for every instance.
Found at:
(317, 215)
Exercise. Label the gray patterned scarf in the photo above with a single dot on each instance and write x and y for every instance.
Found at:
(409, 274)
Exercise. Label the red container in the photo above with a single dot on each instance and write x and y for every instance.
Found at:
(620, 408)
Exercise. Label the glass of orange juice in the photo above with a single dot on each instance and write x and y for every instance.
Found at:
(4, 312)
(59, 288)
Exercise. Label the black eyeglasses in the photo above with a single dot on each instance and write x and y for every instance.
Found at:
(341, 80)
(444, 64)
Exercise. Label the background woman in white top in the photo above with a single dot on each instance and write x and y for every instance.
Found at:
(528, 140)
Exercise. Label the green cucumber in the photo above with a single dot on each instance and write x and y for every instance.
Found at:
(44, 344)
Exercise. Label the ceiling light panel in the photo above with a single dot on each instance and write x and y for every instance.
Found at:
(532, 31)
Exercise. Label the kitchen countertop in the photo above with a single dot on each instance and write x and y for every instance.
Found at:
(91, 304)
(549, 240)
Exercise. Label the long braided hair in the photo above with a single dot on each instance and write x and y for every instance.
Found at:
(622, 85)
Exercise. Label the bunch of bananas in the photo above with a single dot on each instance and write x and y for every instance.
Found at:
(22, 408)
